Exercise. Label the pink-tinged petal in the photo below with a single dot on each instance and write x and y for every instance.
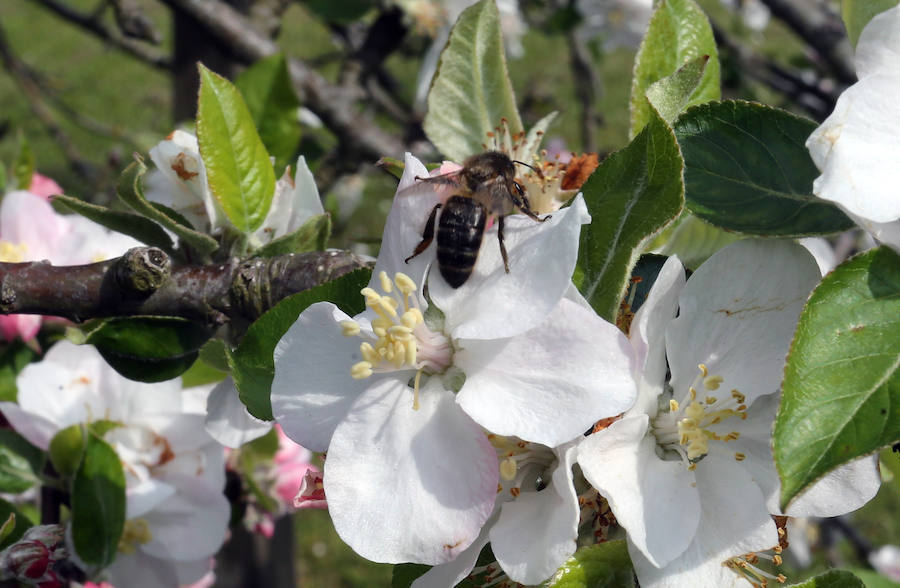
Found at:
(733, 522)
(43, 186)
(527, 387)
(28, 220)
(494, 304)
(312, 389)
(737, 315)
(228, 421)
(647, 335)
(196, 574)
(537, 531)
(621, 463)
(24, 326)
(34, 427)
(404, 225)
(311, 493)
(453, 572)
(406, 485)
(189, 525)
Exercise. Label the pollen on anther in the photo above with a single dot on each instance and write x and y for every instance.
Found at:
(349, 328)
(508, 469)
(739, 456)
(386, 284)
(712, 382)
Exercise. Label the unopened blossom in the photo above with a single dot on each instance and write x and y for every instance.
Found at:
(31, 559)
(176, 514)
(311, 493)
(43, 186)
(688, 471)
(858, 145)
(401, 395)
(180, 183)
(886, 561)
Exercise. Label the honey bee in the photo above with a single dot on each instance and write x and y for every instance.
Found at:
(487, 188)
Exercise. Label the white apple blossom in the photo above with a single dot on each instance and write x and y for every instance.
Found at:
(688, 471)
(180, 183)
(403, 415)
(176, 514)
(858, 145)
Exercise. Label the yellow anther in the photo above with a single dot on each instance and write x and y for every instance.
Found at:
(704, 371)
(693, 393)
(372, 297)
(379, 331)
(740, 456)
(384, 305)
(368, 352)
(712, 382)
(400, 333)
(673, 405)
(386, 284)
(694, 411)
(349, 328)
(361, 370)
(404, 283)
(412, 317)
(738, 396)
(508, 469)
(136, 532)
(12, 252)
(711, 400)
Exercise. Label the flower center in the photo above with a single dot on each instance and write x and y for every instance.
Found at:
(12, 252)
(522, 464)
(136, 532)
(399, 339)
(688, 427)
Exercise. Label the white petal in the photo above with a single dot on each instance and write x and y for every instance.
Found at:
(733, 522)
(312, 389)
(28, 220)
(552, 383)
(142, 570)
(145, 496)
(453, 572)
(647, 334)
(842, 490)
(536, 532)
(493, 304)
(228, 421)
(405, 223)
(887, 233)
(857, 148)
(737, 315)
(655, 501)
(878, 48)
(34, 427)
(191, 524)
(409, 485)
(822, 252)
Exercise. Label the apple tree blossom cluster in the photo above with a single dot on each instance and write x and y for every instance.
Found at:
(653, 367)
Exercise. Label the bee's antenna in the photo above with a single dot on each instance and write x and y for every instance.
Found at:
(534, 169)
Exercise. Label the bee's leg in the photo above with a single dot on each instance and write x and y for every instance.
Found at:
(427, 234)
(502, 245)
(520, 201)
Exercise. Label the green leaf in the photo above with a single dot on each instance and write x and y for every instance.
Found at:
(20, 525)
(841, 396)
(67, 448)
(678, 33)
(127, 223)
(13, 357)
(273, 105)
(16, 474)
(312, 236)
(692, 240)
(403, 575)
(597, 566)
(871, 579)
(23, 164)
(214, 353)
(238, 169)
(98, 504)
(832, 579)
(671, 95)
(17, 444)
(858, 13)
(343, 12)
(131, 191)
(631, 196)
(747, 170)
(471, 91)
(252, 365)
(148, 349)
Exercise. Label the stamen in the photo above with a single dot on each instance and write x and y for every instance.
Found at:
(349, 328)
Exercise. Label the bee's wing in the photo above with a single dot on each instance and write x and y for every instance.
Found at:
(448, 179)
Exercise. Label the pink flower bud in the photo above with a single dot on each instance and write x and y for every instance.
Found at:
(43, 186)
(312, 491)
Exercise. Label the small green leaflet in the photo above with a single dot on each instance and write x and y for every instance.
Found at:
(98, 503)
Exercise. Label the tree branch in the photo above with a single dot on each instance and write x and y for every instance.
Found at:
(142, 282)
(335, 105)
(822, 30)
(95, 25)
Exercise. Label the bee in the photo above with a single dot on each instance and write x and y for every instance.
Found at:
(487, 188)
